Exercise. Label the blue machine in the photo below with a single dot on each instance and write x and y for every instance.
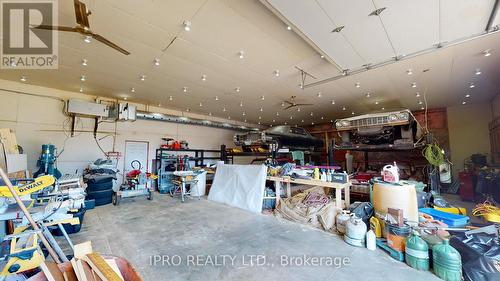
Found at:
(47, 162)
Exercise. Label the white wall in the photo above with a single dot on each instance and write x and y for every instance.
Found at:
(495, 106)
(39, 120)
(468, 131)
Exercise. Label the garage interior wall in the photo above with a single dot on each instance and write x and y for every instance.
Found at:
(468, 132)
(495, 106)
(39, 120)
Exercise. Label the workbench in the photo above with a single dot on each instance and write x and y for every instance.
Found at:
(337, 186)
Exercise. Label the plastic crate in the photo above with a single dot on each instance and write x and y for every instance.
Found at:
(451, 220)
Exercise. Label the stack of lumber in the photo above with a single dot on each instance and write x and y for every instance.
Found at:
(87, 265)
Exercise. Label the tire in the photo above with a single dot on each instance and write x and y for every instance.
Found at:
(100, 194)
(103, 201)
(92, 187)
(115, 199)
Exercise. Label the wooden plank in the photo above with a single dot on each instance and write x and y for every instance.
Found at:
(103, 270)
(70, 275)
(309, 182)
(82, 249)
(9, 141)
(76, 268)
(51, 271)
(85, 271)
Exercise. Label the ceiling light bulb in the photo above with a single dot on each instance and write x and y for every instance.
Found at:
(282, 103)
(143, 77)
(343, 108)
(420, 102)
(298, 109)
(289, 27)
(277, 114)
(187, 25)
(291, 117)
(125, 98)
(243, 113)
(132, 90)
(383, 108)
(422, 108)
(417, 94)
(312, 123)
(357, 85)
(478, 71)
(170, 98)
(322, 117)
(187, 109)
(377, 102)
(241, 54)
(185, 89)
(13, 63)
(216, 98)
(274, 120)
(81, 90)
(258, 123)
(487, 53)
(409, 72)
(157, 62)
(224, 109)
(201, 104)
(84, 62)
(413, 85)
(333, 101)
(237, 89)
(464, 102)
(229, 117)
(87, 39)
(260, 117)
(467, 96)
(319, 95)
(262, 97)
(83, 78)
(23, 78)
(261, 109)
(311, 113)
(352, 113)
(322, 56)
(276, 73)
(302, 121)
(159, 104)
(472, 85)
(203, 77)
(368, 95)
(331, 121)
(241, 103)
(245, 120)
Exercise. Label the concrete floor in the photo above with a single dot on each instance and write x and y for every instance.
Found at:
(138, 229)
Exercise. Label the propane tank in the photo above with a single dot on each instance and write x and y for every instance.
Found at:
(371, 240)
(417, 252)
(341, 221)
(355, 232)
(447, 262)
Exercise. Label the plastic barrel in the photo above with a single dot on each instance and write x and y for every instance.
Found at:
(417, 252)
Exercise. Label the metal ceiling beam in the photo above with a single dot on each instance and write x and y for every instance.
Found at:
(493, 15)
(346, 73)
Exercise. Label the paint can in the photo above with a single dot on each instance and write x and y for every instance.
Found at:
(396, 236)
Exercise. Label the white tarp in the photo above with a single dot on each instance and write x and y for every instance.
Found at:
(240, 186)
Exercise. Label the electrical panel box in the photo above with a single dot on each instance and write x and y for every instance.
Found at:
(127, 112)
(81, 107)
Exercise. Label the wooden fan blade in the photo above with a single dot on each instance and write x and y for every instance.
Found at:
(81, 14)
(60, 28)
(303, 104)
(109, 43)
(288, 107)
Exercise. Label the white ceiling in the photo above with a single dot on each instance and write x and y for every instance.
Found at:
(222, 28)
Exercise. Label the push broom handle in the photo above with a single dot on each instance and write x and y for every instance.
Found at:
(51, 251)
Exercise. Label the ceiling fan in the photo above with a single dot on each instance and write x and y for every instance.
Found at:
(83, 27)
(291, 103)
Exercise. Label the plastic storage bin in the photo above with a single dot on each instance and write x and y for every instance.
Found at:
(450, 219)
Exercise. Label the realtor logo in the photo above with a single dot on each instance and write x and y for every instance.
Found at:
(24, 46)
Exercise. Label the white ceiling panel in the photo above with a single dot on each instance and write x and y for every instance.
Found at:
(412, 25)
(462, 18)
(315, 24)
(365, 33)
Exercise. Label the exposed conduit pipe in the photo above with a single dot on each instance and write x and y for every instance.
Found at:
(493, 15)
(401, 58)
